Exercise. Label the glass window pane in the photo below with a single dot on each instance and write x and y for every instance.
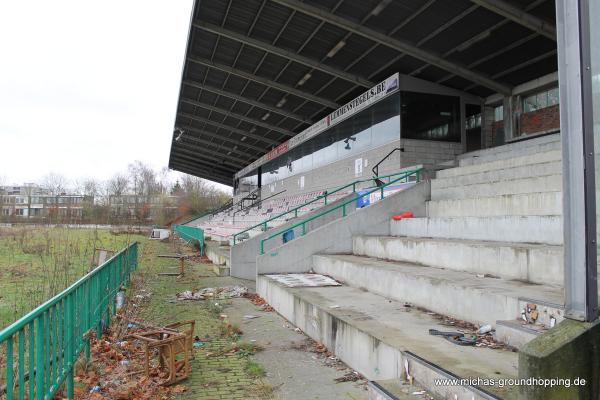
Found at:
(429, 116)
(499, 113)
(530, 104)
(386, 121)
(553, 97)
(542, 100)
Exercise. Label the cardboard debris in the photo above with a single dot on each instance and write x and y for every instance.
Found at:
(225, 292)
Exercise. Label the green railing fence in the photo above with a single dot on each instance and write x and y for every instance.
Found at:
(353, 185)
(191, 234)
(43, 346)
(404, 176)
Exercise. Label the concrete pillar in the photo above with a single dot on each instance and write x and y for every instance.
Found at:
(569, 352)
(509, 119)
(487, 123)
(463, 129)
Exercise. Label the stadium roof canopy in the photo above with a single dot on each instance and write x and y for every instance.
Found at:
(257, 72)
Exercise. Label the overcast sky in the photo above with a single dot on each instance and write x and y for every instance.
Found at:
(87, 87)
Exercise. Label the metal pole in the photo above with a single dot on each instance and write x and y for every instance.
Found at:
(579, 213)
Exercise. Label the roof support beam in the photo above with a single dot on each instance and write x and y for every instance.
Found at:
(233, 149)
(221, 136)
(517, 67)
(264, 81)
(396, 44)
(243, 118)
(215, 152)
(200, 172)
(248, 101)
(519, 16)
(211, 155)
(224, 169)
(290, 55)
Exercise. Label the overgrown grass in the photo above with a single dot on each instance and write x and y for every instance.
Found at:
(37, 263)
(255, 370)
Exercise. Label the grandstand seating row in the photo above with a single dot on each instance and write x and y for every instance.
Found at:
(224, 225)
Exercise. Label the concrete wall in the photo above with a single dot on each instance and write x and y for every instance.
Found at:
(336, 236)
(243, 255)
(426, 152)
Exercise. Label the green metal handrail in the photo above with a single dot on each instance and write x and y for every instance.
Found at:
(191, 234)
(303, 223)
(50, 338)
(323, 196)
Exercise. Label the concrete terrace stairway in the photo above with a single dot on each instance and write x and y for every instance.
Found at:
(489, 248)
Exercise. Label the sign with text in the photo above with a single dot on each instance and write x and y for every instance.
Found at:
(371, 96)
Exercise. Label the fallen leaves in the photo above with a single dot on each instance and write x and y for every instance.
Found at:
(259, 301)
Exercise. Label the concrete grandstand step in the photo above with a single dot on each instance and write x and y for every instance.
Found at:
(515, 333)
(520, 229)
(508, 174)
(511, 146)
(509, 151)
(378, 337)
(536, 184)
(527, 262)
(396, 389)
(529, 159)
(480, 300)
(547, 203)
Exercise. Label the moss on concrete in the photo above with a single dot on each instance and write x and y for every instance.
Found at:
(570, 351)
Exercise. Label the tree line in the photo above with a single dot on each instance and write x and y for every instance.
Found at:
(138, 195)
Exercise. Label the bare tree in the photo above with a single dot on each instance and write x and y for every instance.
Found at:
(3, 181)
(200, 196)
(55, 183)
(143, 179)
(117, 185)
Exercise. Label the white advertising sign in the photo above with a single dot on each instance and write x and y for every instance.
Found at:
(371, 96)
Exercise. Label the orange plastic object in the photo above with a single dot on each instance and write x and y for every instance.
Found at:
(407, 214)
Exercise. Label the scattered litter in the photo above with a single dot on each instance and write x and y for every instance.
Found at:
(95, 389)
(552, 322)
(351, 376)
(203, 339)
(131, 325)
(301, 280)
(298, 330)
(225, 292)
(198, 344)
(251, 316)
(458, 338)
(406, 369)
(485, 329)
(223, 316)
(419, 393)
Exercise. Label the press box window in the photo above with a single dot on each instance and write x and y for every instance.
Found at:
(499, 114)
(547, 98)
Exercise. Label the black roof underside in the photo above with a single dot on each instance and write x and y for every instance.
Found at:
(243, 92)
